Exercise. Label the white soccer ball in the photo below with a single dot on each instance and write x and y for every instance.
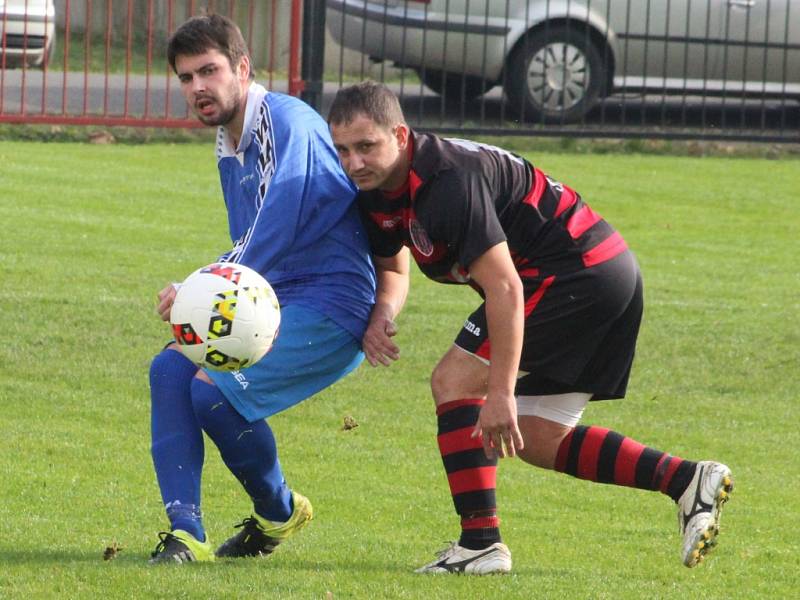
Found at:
(225, 317)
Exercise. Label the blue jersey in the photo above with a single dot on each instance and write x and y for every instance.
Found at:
(291, 210)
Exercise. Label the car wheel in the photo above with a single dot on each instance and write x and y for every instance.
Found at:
(454, 85)
(555, 76)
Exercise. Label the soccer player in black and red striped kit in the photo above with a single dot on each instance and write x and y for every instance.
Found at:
(562, 303)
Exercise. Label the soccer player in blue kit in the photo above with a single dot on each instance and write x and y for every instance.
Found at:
(292, 218)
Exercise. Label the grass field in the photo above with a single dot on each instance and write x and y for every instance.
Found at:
(91, 233)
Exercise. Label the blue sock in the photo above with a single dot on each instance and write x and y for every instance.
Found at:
(177, 440)
(248, 449)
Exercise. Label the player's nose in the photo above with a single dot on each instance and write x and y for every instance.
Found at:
(355, 163)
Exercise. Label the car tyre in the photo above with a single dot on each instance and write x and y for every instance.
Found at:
(454, 86)
(555, 76)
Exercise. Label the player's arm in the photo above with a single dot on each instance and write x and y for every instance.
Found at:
(393, 276)
(494, 271)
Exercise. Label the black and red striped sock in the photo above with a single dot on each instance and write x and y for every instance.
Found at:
(472, 476)
(601, 455)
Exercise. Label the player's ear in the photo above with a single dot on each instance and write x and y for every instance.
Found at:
(243, 68)
(401, 134)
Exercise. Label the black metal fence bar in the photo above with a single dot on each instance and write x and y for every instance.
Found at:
(672, 69)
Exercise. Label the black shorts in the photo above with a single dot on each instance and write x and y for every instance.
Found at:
(580, 330)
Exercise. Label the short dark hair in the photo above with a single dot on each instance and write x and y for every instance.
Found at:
(372, 99)
(208, 32)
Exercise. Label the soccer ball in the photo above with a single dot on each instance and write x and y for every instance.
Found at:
(225, 317)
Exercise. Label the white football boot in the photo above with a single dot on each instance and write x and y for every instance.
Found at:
(457, 559)
(699, 510)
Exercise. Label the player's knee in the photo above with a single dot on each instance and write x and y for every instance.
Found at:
(542, 440)
(165, 364)
(206, 398)
(442, 383)
(451, 381)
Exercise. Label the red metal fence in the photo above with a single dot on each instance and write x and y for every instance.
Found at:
(90, 62)
(680, 69)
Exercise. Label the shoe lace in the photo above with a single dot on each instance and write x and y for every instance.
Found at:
(248, 523)
(447, 550)
(165, 537)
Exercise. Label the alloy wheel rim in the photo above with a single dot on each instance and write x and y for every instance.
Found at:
(558, 77)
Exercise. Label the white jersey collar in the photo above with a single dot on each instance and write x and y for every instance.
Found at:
(255, 96)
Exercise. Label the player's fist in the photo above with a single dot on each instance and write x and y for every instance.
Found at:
(165, 299)
(377, 344)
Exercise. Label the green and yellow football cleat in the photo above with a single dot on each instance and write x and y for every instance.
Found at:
(259, 537)
(181, 547)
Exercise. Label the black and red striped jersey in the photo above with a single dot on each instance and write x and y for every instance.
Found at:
(461, 198)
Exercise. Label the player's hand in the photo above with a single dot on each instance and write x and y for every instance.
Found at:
(377, 343)
(497, 426)
(165, 299)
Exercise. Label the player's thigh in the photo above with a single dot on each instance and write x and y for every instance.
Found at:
(310, 353)
(459, 374)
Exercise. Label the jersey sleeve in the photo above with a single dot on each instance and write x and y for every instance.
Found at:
(459, 209)
(302, 190)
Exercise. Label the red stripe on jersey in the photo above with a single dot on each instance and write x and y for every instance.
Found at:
(539, 183)
(480, 523)
(590, 452)
(448, 406)
(627, 459)
(605, 250)
(567, 200)
(458, 441)
(414, 182)
(581, 220)
(472, 480)
(531, 272)
(531, 302)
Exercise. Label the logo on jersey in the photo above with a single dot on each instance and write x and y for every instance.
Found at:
(391, 223)
(420, 238)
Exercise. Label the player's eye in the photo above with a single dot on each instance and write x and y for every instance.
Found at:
(184, 78)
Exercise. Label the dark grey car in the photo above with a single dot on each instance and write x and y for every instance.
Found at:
(557, 58)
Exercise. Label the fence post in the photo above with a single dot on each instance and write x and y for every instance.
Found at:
(313, 60)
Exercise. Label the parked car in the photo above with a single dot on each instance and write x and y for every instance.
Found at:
(557, 58)
(27, 32)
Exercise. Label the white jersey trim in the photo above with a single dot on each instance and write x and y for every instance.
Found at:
(258, 127)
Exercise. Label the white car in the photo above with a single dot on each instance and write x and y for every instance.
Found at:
(27, 32)
(557, 58)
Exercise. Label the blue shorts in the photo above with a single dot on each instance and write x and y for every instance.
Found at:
(310, 353)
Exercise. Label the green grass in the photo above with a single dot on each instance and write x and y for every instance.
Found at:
(91, 233)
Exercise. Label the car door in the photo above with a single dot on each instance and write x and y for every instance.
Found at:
(665, 44)
(761, 51)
